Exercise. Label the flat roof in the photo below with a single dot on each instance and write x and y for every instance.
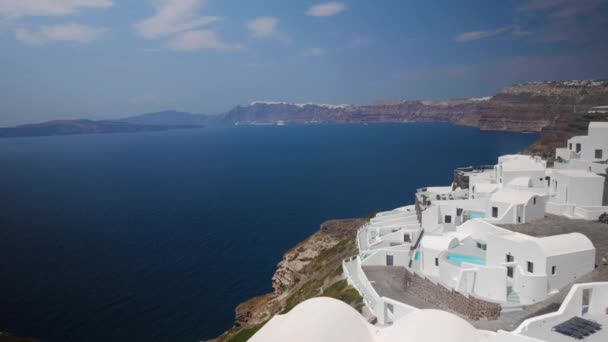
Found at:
(506, 195)
(599, 124)
(576, 173)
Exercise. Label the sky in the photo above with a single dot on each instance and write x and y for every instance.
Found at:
(103, 59)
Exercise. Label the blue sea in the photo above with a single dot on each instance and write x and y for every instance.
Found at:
(158, 236)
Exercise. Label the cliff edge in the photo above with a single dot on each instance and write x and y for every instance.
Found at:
(312, 268)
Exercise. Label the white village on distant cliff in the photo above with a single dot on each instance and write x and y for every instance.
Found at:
(464, 270)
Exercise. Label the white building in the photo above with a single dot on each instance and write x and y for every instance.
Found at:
(583, 314)
(509, 205)
(576, 194)
(587, 152)
(512, 167)
(501, 266)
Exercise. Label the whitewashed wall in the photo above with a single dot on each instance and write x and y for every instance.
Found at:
(569, 268)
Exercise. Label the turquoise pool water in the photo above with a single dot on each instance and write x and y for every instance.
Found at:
(476, 214)
(417, 255)
(460, 258)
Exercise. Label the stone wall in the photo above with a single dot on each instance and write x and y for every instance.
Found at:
(445, 299)
(460, 180)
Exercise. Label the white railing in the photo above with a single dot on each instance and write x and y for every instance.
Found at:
(559, 209)
(357, 279)
(394, 310)
(363, 238)
(589, 213)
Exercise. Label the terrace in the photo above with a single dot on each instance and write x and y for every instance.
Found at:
(581, 316)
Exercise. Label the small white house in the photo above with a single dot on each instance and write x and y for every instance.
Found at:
(576, 194)
(537, 267)
(509, 205)
(510, 167)
(446, 215)
(587, 151)
(579, 187)
(501, 266)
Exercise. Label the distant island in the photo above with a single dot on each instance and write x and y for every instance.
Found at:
(70, 127)
(556, 109)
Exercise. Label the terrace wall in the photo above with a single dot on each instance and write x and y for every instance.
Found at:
(445, 299)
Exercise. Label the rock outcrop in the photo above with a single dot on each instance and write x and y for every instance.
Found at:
(302, 273)
(534, 106)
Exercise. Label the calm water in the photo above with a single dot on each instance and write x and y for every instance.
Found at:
(158, 236)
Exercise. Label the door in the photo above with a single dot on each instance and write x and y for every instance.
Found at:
(520, 213)
(389, 260)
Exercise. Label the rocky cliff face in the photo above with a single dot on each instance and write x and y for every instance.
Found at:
(404, 111)
(559, 110)
(304, 271)
(535, 106)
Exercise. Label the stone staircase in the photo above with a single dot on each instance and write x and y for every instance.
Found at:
(513, 303)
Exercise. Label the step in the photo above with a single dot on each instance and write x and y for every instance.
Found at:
(513, 309)
(513, 298)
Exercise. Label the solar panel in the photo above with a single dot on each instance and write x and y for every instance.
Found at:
(578, 328)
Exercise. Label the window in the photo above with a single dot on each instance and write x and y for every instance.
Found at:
(530, 267)
(534, 200)
(448, 219)
(553, 270)
(458, 211)
(548, 179)
(570, 146)
(599, 154)
(578, 148)
(494, 212)
(389, 260)
(436, 261)
(510, 258)
(482, 246)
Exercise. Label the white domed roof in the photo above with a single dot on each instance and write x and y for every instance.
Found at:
(431, 326)
(317, 319)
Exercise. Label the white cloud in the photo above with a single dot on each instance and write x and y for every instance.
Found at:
(51, 8)
(75, 33)
(312, 52)
(475, 35)
(200, 39)
(326, 9)
(173, 16)
(263, 27)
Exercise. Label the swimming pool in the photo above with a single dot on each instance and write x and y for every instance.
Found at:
(476, 214)
(460, 258)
